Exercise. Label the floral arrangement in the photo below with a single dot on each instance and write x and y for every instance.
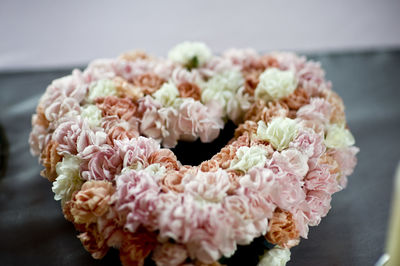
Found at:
(103, 136)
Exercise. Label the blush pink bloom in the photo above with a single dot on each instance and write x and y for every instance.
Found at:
(38, 139)
(290, 161)
(151, 124)
(318, 110)
(256, 187)
(137, 195)
(242, 57)
(74, 136)
(99, 69)
(196, 119)
(245, 227)
(182, 75)
(118, 129)
(169, 254)
(205, 228)
(347, 160)
(129, 70)
(102, 164)
(216, 65)
(137, 150)
(211, 186)
(61, 107)
(169, 126)
(309, 143)
(320, 178)
(319, 203)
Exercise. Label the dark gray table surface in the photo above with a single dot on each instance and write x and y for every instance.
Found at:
(33, 230)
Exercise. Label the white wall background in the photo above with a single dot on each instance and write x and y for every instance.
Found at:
(49, 33)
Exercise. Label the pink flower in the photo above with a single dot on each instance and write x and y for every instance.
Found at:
(61, 107)
(38, 139)
(309, 143)
(320, 178)
(256, 187)
(137, 195)
(118, 129)
(74, 136)
(169, 254)
(196, 119)
(290, 161)
(319, 203)
(182, 75)
(215, 66)
(204, 227)
(211, 186)
(241, 57)
(347, 160)
(129, 70)
(151, 123)
(169, 126)
(99, 69)
(245, 227)
(318, 110)
(137, 150)
(287, 192)
(102, 164)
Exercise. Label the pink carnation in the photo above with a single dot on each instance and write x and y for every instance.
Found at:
(319, 203)
(241, 57)
(309, 143)
(38, 139)
(245, 227)
(204, 227)
(137, 194)
(129, 70)
(137, 150)
(169, 126)
(215, 66)
(211, 186)
(118, 129)
(320, 178)
(74, 136)
(347, 160)
(61, 107)
(169, 254)
(101, 164)
(182, 75)
(318, 110)
(196, 119)
(99, 69)
(151, 124)
(290, 161)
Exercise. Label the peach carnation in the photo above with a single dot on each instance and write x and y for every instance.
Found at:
(92, 201)
(121, 107)
(189, 90)
(49, 158)
(94, 242)
(282, 229)
(169, 254)
(148, 82)
(164, 157)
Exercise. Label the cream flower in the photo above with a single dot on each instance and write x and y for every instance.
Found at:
(101, 88)
(338, 137)
(275, 257)
(167, 94)
(279, 132)
(92, 114)
(155, 169)
(190, 54)
(68, 179)
(275, 84)
(223, 88)
(248, 157)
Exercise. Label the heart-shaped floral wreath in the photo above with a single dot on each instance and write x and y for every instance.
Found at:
(98, 134)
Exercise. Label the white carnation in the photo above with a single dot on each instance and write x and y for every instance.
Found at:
(92, 114)
(167, 94)
(68, 179)
(191, 54)
(101, 88)
(155, 169)
(279, 132)
(224, 88)
(338, 137)
(248, 157)
(275, 84)
(275, 257)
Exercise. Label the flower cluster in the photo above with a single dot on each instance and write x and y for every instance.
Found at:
(103, 136)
